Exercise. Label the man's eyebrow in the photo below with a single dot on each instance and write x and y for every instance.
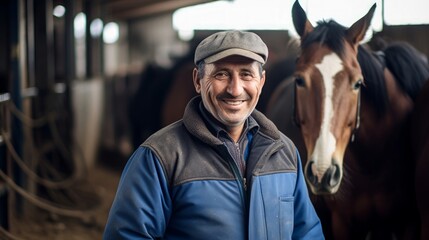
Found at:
(226, 67)
(220, 68)
(248, 69)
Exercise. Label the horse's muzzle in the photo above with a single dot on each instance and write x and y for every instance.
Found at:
(330, 181)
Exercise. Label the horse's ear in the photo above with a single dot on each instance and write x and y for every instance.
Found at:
(300, 21)
(357, 31)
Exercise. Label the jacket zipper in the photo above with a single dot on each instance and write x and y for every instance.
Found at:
(237, 174)
(241, 179)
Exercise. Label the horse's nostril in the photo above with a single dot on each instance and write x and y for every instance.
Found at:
(335, 175)
(310, 175)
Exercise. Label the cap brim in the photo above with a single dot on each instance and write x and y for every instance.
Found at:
(234, 51)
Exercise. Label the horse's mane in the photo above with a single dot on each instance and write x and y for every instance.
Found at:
(374, 89)
(328, 33)
(408, 65)
(405, 62)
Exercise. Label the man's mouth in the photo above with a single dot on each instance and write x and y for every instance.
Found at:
(233, 102)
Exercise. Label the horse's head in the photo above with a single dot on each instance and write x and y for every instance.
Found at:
(327, 99)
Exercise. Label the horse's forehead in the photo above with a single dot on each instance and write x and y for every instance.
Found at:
(323, 64)
(314, 53)
(329, 66)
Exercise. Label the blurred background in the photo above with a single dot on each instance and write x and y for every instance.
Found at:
(85, 82)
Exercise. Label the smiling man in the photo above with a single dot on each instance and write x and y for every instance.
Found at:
(222, 172)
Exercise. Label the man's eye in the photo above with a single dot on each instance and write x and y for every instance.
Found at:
(221, 75)
(246, 76)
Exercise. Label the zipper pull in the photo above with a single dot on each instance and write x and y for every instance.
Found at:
(245, 183)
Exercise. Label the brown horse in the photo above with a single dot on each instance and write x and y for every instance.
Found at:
(160, 98)
(352, 110)
(420, 151)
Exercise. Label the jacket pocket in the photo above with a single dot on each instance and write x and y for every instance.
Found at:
(286, 217)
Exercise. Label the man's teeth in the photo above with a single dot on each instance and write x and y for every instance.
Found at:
(233, 102)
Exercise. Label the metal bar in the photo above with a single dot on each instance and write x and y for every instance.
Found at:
(16, 125)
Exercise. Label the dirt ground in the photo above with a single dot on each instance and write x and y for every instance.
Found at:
(100, 188)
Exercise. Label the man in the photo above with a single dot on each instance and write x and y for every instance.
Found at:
(222, 172)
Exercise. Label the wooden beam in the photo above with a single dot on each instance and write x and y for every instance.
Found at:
(119, 5)
(146, 10)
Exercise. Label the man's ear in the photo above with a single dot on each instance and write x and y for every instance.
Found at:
(262, 79)
(196, 80)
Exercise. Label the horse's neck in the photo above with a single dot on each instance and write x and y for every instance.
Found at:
(376, 130)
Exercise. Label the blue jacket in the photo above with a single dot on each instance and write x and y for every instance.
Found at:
(182, 183)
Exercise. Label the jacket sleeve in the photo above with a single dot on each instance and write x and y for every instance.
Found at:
(307, 223)
(142, 205)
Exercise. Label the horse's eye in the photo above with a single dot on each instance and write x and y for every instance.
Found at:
(357, 85)
(299, 81)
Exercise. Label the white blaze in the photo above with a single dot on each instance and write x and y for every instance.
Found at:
(325, 145)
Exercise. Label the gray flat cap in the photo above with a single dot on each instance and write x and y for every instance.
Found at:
(223, 44)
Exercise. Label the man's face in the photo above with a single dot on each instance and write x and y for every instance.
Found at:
(230, 89)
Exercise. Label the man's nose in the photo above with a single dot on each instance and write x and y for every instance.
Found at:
(235, 87)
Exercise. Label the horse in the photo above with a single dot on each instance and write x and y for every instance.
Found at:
(143, 106)
(276, 72)
(160, 98)
(350, 116)
(419, 139)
